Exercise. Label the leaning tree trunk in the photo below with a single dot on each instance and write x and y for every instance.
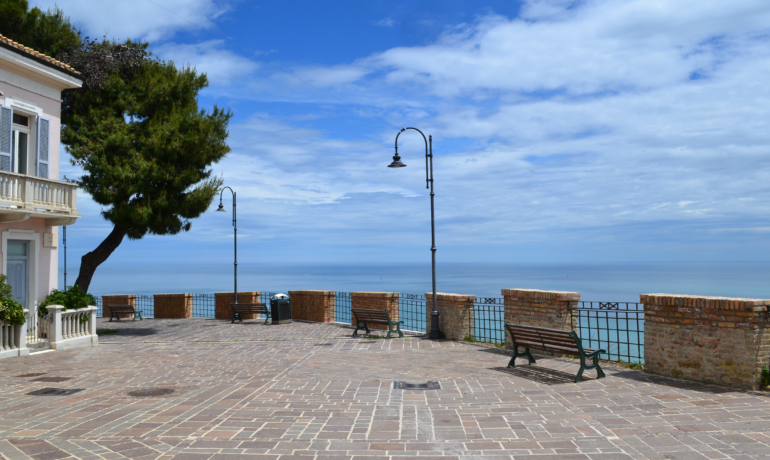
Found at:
(90, 261)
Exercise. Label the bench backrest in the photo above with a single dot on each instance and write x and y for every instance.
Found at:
(249, 307)
(121, 308)
(553, 339)
(362, 314)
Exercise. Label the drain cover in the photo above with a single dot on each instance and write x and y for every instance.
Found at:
(150, 392)
(54, 392)
(52, 379)
(35, 374)
(416, 386)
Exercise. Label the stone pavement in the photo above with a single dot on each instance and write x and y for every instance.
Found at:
(309, 391)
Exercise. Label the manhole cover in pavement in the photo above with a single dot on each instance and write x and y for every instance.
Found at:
(34, 374)
(52, 379)
(416, 386)
(150, 392)
(54, 392)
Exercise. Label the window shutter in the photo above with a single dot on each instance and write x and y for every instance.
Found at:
(43, 138)
(6, 134)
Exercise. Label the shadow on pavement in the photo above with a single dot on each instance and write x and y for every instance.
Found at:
(540, 374)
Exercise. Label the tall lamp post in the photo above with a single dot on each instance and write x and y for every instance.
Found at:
(435, 333)
(235, 230)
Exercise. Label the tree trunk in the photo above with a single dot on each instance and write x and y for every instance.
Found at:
(92, 260)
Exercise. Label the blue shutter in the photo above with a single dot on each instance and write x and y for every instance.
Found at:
(43, 141)
(6, 134)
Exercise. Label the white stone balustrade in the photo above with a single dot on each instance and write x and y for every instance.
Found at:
(13, 340)
(35, 194)
(69, 331)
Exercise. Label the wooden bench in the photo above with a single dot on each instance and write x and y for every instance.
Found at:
(252, 308)
(364, 316)
(116, 310)
(553, 340)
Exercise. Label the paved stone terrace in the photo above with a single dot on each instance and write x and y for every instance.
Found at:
(309, 391)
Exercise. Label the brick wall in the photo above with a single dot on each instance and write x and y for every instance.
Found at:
(123, 299)
(313, 305)
(533, 307)
(173, 305)
(375, 301)
(718, 340)
(455, 314)
(222, 301)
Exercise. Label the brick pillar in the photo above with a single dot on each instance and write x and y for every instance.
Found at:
(533, 307)
(375, 301)
(222, 301)
(718, 340)
(173, 305)
(313, 305)
(455, 314)
(123, 299)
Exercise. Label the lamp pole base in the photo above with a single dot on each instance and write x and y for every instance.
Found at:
(435, 333)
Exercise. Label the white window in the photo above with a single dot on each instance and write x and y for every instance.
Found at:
(20, 144)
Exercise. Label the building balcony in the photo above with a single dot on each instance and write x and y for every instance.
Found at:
(22, 197)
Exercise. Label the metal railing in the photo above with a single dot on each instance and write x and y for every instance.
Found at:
(488, 320)
(342, 306)
(145, 303)
(204, 305)
(617, 327)
(413, 312)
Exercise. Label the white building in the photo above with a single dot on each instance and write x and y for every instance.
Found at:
(34, 202)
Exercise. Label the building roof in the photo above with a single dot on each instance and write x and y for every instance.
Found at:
(40, 57)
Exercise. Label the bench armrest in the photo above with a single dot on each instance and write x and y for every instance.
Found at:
(596, 353)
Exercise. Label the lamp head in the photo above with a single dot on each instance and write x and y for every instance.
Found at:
(221, 208)
(396, 162)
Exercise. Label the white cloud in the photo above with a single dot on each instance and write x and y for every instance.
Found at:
(222, 66)
(385, 22)
(149, 20)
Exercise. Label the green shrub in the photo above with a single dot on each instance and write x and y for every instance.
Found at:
(73, 298)
(764, 377)
(11, 311)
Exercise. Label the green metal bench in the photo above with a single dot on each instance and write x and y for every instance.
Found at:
(240, 309)
(553, 340)
(365, 316)
(116, 310)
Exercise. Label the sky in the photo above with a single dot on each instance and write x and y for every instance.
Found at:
(563, 131)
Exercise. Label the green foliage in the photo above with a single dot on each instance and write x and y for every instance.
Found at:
(11, 311)
(469, 339)
(145, 147)
(764, 377)
(49, 32)
(106, 331)
(73, 298)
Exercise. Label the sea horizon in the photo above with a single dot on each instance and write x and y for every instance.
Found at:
(600, 281)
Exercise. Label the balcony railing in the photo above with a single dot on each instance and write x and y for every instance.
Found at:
(37, 195)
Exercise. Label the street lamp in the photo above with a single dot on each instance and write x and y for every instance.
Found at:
(235, 230)
(435, 333)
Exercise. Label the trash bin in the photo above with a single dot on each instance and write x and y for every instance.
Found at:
(280, 309)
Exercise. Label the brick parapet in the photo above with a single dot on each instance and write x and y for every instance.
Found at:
(456, 317)
(316, 306)
(376, 301)
(178, 306)
(222, 301)
(718, 340)
(120, 299)
(533, 307)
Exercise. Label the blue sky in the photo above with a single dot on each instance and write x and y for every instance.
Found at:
(564, 131)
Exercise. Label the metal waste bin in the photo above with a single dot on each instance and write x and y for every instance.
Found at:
(280, 309)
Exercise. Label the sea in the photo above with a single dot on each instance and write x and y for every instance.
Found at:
(601, 282)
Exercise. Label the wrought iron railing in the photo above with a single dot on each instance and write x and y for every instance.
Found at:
(617, 327)
(99, 306)
(488, 320)
(145, 303)
(342, 305)
(204, 305)
(413, 312)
